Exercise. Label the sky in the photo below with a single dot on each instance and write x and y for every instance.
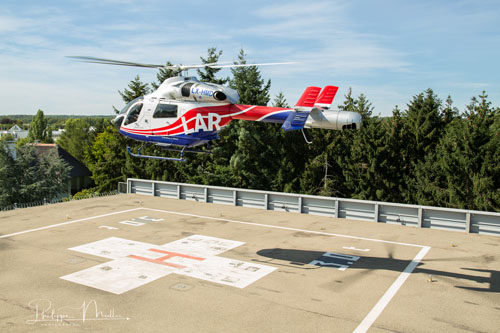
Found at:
(388, 50)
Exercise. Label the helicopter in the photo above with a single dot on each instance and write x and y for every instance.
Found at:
(184, 113)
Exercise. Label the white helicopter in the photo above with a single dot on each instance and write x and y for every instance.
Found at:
(184, 112)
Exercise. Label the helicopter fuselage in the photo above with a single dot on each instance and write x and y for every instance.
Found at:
(185, 112)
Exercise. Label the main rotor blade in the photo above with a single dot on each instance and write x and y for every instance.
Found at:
(113, 62)
(104, 61)
(248, 65)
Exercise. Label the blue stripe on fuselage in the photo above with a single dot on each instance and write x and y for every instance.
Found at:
(188, 140)
(277, 117)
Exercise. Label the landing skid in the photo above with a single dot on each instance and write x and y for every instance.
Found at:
(162, 158)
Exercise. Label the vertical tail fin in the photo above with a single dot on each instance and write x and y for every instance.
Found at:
(326, 97)
(309, 97)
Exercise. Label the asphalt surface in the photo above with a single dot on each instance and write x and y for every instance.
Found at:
(138, 263)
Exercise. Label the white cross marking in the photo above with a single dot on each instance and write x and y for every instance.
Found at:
(136, 263)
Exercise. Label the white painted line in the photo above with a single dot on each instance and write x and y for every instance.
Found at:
(355, 249)
(69, 222)
(389, 294)
(283, 228)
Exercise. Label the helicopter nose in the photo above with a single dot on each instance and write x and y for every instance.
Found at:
(117, 122)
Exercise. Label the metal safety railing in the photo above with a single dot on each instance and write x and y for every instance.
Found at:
(382, 212)
(57, 200)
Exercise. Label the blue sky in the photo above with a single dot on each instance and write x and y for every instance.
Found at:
(389, 50)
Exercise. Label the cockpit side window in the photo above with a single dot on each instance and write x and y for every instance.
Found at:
(133, 114)
(165, 111)
(125, 108)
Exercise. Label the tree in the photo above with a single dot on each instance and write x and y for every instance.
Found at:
(249, 84)
(76, 138)
(8, 173)
(280, 101)
(38, 129)
(255, 158)
(207, 74)
(107, 158)
(329, 154)
(165, 73)
(136, 89)
(423, 126)
(31, 177)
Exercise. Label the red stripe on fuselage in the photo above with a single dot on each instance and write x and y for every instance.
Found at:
(226, 113)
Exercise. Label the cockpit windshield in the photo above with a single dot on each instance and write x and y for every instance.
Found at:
(125, 109)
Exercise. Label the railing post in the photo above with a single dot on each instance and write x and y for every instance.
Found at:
(266, 201)
(153, 188)
(235, 197)
(206, 193)
(375, 213)
(420, 217)
(300, 205)
(337, 208)
(178, 191)
(467, 222)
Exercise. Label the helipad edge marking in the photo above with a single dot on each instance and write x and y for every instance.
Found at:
(389, 294)
(284, 228)
(69, 222)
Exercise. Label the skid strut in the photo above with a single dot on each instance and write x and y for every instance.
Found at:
(162, 158)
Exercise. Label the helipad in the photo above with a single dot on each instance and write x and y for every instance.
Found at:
(135, 263)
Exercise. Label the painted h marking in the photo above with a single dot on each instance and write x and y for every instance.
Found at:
(169, 255)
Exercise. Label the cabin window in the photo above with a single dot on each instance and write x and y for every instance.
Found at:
(165, 111)
(133, 114)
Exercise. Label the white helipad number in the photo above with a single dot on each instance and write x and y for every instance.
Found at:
(136, 222)
(338, 260)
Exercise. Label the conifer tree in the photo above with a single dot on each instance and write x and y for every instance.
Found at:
(248, 82)
(207, 74)
(35, 176)
(8, 186)
(423, 126)
(165, 73)
(136, 89)
(465, 175)
(254, 161)
(394, 151)
(280, 101)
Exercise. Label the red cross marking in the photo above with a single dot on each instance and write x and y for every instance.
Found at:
(169, 255)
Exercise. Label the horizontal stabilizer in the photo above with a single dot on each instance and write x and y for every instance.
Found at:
(295, 121)
(309, 97)
(326, 97)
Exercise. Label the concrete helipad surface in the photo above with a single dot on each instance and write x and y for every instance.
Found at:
(138, 263)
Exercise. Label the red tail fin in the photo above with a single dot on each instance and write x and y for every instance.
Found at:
(309, 97)
(327, 95)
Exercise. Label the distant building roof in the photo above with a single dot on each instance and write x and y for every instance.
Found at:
(15, 128)
(77, 168)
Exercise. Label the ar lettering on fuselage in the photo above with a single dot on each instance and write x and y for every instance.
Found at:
(210, 122)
